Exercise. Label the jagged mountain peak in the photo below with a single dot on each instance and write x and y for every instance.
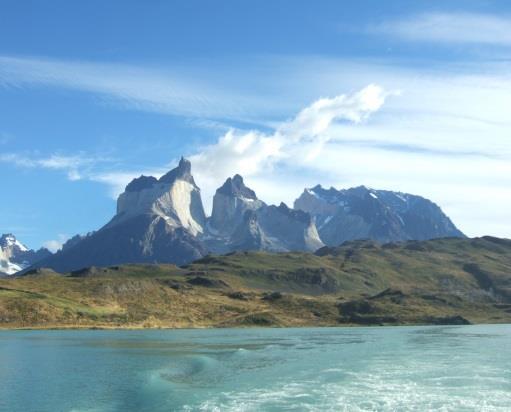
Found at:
(174, 197)
(183, 171)
(236, 187)
(230, 203)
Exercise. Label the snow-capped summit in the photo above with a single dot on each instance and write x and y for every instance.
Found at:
(9, 241)
(381, 215)
(15, 256)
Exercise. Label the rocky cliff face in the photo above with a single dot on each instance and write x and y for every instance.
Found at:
(15, 256)
(174, 197)
(230, 203)
(243, 222)
(276, 229)
(381, 215)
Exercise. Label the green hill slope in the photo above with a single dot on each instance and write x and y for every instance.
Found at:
(430, 282)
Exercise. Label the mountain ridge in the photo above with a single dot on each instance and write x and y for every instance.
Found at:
(382, 215)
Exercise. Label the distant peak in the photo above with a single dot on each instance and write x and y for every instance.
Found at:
(9, 240)
(361, 188)
(185, 165)
(237, 179)
(236, 187)
(183, 171)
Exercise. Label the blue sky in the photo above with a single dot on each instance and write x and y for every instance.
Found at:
(95, 93)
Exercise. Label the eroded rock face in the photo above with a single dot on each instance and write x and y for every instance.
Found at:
(385, 216)
(294, 228)
(230, 203)
(175, 197)
(247, 223)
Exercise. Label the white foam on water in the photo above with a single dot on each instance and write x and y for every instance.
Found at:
(388, 390)
(368, 393)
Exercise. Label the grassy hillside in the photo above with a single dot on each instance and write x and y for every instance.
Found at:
(430, 282)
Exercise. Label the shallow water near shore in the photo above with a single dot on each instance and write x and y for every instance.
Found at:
(310, 369)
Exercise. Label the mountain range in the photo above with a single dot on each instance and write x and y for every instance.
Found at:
(163, 221)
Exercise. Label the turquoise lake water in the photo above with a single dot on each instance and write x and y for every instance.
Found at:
(451, 368)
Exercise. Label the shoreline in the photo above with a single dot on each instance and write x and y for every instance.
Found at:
(136, 328)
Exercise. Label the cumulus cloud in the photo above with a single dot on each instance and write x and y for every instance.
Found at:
(452, 28)
(298, 140)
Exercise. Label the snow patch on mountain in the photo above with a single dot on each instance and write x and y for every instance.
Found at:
(15, 256)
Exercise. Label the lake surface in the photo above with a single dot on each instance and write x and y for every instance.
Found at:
(329, 369)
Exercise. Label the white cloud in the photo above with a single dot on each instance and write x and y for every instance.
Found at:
(451, 28)
(298, 140)
(56, 244)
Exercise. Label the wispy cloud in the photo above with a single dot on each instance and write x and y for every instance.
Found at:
(73, 165)
(453, 27)
(169, 91)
